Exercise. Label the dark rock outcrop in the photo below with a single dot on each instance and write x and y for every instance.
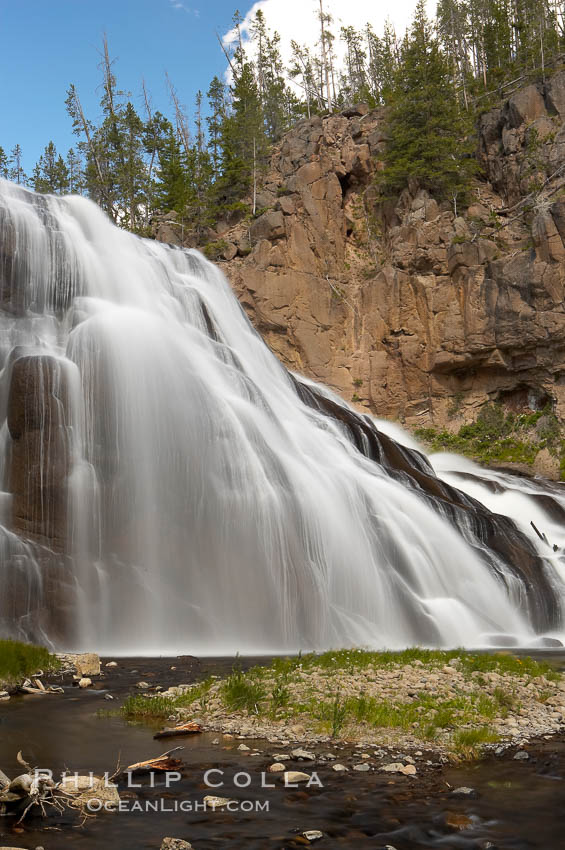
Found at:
(38, 416)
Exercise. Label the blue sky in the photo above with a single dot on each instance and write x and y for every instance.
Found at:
(47, 44)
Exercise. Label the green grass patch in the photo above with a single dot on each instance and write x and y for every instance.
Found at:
(350, 660)
(426, 716)
(469, 743)
(140, 706)
(19, 660)
(241, 691)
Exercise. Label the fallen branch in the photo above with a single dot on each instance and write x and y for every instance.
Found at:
(190, 728)
(162, 762)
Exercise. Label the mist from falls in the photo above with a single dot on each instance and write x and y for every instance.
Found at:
(167, 489)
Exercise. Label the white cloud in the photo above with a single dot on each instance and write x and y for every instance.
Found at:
(297, 19)
(182, 7)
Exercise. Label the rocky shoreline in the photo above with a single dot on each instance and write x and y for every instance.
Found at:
(424, 792)
(443, 706)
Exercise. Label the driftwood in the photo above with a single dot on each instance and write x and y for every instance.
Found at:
(36, 686)
(542, 537)
(162, 762)
(36, 789)
(190, 728)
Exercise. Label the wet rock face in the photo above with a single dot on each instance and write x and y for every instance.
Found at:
(38, 416)
(38, 586)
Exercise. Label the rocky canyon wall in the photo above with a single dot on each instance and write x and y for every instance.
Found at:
(415, 313)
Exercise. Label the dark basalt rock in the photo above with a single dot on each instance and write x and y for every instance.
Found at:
(38, 418)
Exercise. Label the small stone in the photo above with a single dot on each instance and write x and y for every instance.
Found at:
(244, 748)
(281, 756)
(175, 844)
(362, 768)
(216, 741)
(292, 777)
(142, 686)
(172, 668)
(277, 767)
(339, 768)
(85, 682)
(113, 664)
(521, 755)
(4, 695)
(464, 791)
(398, 767)
(302, 755)
(409, 770)
(108, 696)
(216, 802)
(313, 834)
(393, 767)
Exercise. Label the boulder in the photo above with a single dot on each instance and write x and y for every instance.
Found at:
(268, 226)
(546, 238)
(525, 106)
(88, 663)
(356, 109)
(555, 93)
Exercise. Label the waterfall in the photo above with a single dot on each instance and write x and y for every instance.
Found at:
(168, 486)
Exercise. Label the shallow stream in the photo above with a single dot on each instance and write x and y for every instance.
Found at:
(520, 804)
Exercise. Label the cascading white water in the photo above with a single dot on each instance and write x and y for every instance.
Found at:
(210, 509)
(524, 500)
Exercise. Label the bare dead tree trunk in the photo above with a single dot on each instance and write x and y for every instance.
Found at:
(325, 66)
(180, 116)
(94, 155)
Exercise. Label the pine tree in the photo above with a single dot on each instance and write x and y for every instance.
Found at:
(15, 170)
(355, 85)
(302, 71)
(173, 189)
(4, 167)
(115, 173)
(426, 129)
(244, 141)
(277, 102)
(215, 120)
(131, 173)
(74, 171)
(50, 174)
(202, 169)
(382, 62)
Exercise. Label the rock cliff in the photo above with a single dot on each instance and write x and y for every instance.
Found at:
(413, 312)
